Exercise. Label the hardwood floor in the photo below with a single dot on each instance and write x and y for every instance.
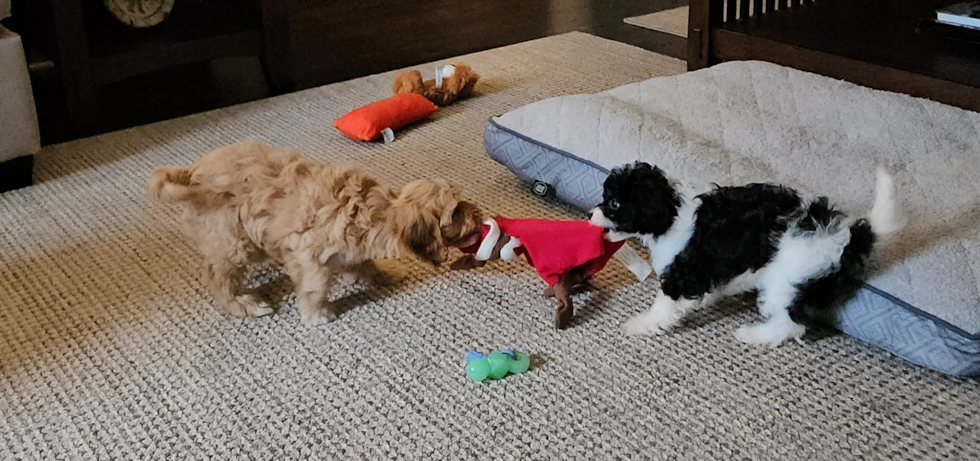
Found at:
(329, 41)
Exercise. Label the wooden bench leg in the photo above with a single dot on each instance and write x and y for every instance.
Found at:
(16, 173)
(83, 109)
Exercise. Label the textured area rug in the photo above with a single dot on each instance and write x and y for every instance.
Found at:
(110, 349)
(672, 21)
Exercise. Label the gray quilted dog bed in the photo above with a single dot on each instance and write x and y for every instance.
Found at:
(745, 122)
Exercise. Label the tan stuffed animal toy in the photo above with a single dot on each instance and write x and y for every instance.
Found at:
(457, 81)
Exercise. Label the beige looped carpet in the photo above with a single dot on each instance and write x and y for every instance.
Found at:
(109, 348)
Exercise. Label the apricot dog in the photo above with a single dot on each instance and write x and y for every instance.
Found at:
(250, 202)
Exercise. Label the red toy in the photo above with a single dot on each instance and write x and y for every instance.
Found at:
(368, 122)
(564, 253)
(414, 100)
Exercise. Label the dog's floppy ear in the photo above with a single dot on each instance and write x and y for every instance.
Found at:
(449, 206)
(464, 225)
(426, 241)
(419, 232)
(466, 262)
(660, 201)
(420, 212)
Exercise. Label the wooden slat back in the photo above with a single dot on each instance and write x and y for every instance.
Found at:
(737, 10)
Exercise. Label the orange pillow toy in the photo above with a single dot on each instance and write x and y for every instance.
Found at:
(368, 122)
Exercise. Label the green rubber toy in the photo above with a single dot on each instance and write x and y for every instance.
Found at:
(478, 370)
(495, 366)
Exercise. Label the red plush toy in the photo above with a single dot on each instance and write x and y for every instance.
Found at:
(564, 253)
(414, 101)
(367, 123)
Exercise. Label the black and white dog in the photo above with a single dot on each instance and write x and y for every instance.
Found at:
(797, 251)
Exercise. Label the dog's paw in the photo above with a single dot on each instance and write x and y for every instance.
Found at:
(381, 272)
(642, 325)
(318, 317)
(255, 306)
(770, 333)
(348, 278)
(313, 315)
(248, 306)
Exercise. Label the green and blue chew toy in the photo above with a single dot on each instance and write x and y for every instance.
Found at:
(479, 367)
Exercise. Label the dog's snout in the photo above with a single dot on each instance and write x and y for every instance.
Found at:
(599, 219)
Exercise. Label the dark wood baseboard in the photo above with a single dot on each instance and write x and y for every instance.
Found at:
(652, 40)
(16, 173)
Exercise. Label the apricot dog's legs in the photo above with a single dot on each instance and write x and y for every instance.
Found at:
(375, 272)
(313, 282)
(225, 281)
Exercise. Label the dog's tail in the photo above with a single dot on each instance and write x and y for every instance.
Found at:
(885, 220)
(886, 217)
(172, 184)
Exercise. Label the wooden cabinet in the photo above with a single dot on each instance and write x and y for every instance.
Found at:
(90, 49)
(875, 43)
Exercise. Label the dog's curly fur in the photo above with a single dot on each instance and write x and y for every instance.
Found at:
(800, 253)
(250, 202)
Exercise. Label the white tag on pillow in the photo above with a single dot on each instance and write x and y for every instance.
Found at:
(388, 135)
(438, 77)
(634, 262)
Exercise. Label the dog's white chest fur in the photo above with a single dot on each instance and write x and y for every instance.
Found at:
(665, 248)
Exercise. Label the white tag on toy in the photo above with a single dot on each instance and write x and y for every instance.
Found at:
(634, 262)
(388, 135)
(438, 77)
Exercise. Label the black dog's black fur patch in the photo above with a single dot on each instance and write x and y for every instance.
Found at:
(816, 297)
(736, 230)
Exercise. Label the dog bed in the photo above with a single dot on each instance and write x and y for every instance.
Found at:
(743, 122)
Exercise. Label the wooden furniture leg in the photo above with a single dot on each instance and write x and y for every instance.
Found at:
(16, 173)
(275, 32)
(73, 54)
